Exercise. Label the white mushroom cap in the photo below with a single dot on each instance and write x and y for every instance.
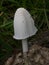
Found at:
(23, 24)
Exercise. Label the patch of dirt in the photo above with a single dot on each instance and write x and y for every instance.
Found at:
(37, 55)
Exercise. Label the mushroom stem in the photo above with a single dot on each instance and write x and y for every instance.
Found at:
(25, 50)
(24, 45)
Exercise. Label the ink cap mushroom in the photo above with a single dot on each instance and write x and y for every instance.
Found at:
(24, 27)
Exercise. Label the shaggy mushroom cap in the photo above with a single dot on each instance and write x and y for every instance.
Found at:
(23, 24)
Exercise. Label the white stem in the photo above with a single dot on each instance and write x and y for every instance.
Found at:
(24, 45)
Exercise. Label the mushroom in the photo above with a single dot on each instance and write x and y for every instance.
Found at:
(24, 27)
